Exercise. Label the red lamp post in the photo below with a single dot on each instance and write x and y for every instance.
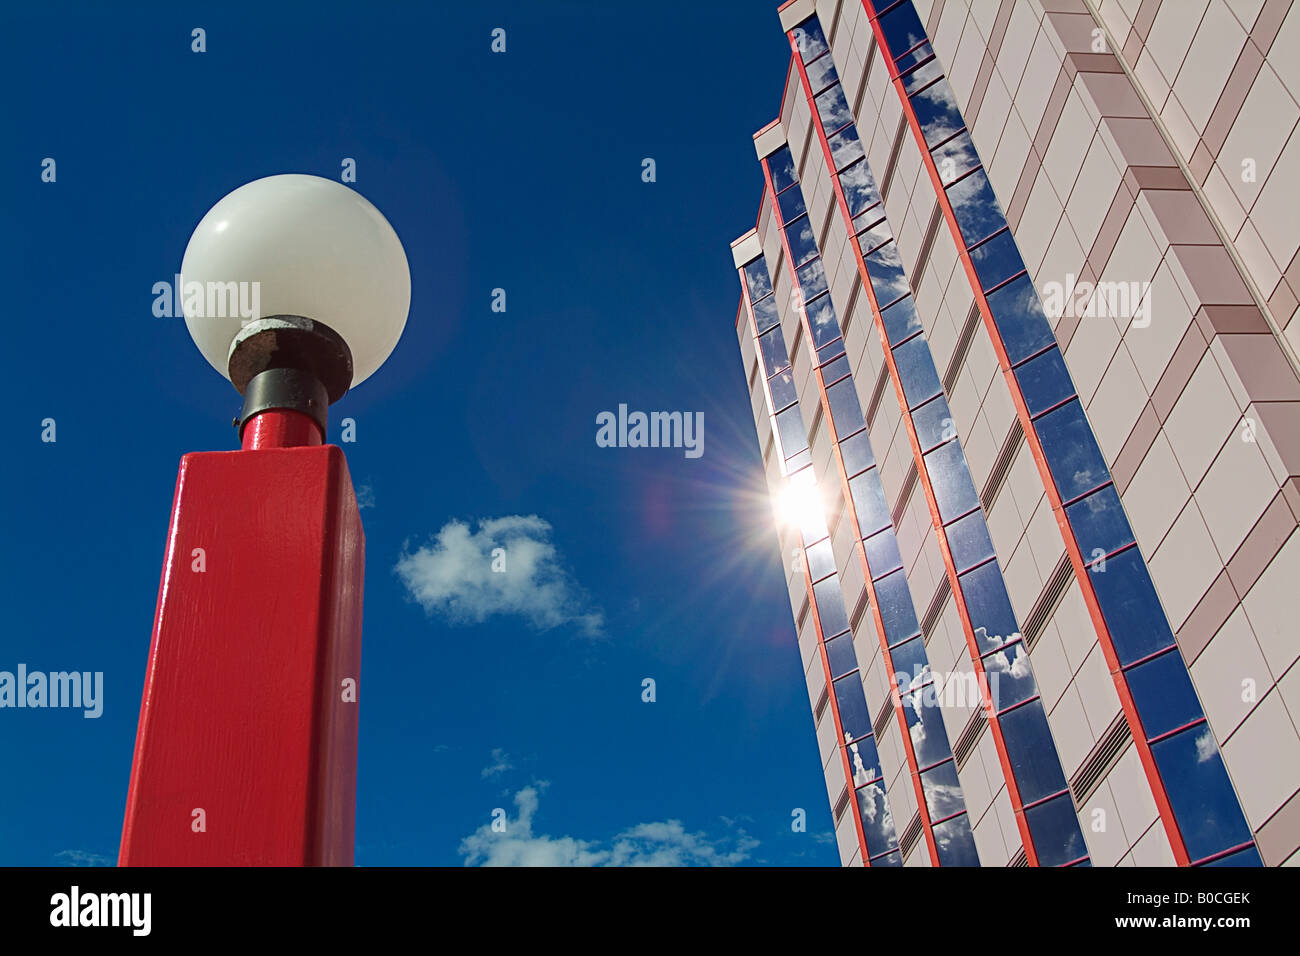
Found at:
(246, 750)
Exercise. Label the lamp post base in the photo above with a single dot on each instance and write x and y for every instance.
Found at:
(246, 750)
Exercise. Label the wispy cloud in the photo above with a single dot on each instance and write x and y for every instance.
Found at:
(499, 765)
(665, 843)
(365, 497)
(81, 858)
(506, 566)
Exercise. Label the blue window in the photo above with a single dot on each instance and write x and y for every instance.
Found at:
(900, 319)
(925, 726)
(955, 158)
(859, 187)
(1034, 763)
(821, 560)
(821, 318)
(772, 347)
(974, 206)
(765, 313)
(757, 279)
(1246, 857)
(1044, 381)
(1163, 693)
(969, 542)
(802, 245)
(833, 109)
(864, 763)
(910, 662)
(928, 72)
(857, 453)
(852, 706)
(916, 370)
(1055, 831)
(1019, 317)
(996, 259)
(789, 424)
(812, 279)
(877, 825)
(821, 73)
(781, 163)
(830, 606)
(1099, 524)
(937, 112)
(902, 29)
(845, 410)
(933, 423)
(783, 390)
(869, 502)
(845, 147)
(840, 656)
(882, 553)
(888, 280)
(830, 352)
(894, 601)
(941, 787)
(950, 479)
(1010, 680)
(810, 40)
(955, 842)
(792, 206)
(1199, 792)
(1072, 454)
(991, 616)
(873, 235)
(836, 370)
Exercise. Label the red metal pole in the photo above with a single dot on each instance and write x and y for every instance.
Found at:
(247, 743)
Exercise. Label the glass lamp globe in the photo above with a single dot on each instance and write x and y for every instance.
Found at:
(296, 245)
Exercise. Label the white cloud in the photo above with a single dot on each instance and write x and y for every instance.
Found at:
(464, 577)
(365, 497)
(665, 843)
(499, 765)
(81, 858)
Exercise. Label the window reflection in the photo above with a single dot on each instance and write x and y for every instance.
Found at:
(833, 109)
(950, 479)
(1071, 452)
(996, 259)
(888, 280)
(864, 764)
(923, 74)
(942, 789)
(809, 39)
(901, 319)
(925, 727)
(1044, 381)
(1200, 793)
(783, 390)
(883, 555)
(909, 660)
(835, 371)
(821, 560)
(902, 29)
(894, 600)
(757, 279)
(852, 707)
(789, 424)
(974, 206)
(877, 824)
(937, 112)
(1018, 314)
(1055, 831)
(955, 842)
(917, 372)
(969, 542)
(830, 606)
(1010, 680)
(781, 164)
(1130, 607)
(1099, 525)
(765, 313)
(802, 246)
(869, 502)
(1034, 763)
(933, 423)
(859, 187)
(1163, 693)
(825, 327)
(812, 279)
(791, 204)
(857, 454)
(772, 347)
(991, 616)
(845, 147)
(840, 656)
(955, 158)
(845, 410)
(821, 73)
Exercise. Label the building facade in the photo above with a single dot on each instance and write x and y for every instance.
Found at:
(1018, 319)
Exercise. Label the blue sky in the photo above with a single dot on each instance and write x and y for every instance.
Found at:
(519, 171)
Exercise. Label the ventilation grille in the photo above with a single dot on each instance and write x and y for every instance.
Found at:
(893, 156)
(841, 804)
(882, 719)
(911, 834)
(904, 496)
(970, 737)
(931, 231)
(876, 395)
(802, 615)
(1001, 467)
(1019, 859)
(931, 619)
(1058, 582)
(859, 609)
(753, 373)
(1104, 756)
(962, 349)
(822, 701)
